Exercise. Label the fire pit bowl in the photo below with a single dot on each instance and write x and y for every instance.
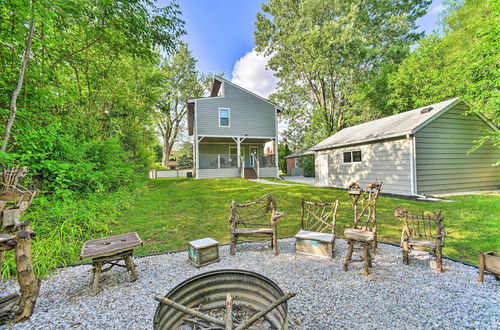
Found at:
(208, 291)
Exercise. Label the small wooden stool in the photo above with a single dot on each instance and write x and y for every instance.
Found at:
(203, 251)
(111, 250)
(489, 261)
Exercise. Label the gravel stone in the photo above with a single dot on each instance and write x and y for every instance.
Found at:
(394, 296)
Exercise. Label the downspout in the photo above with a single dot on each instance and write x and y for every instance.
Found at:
(413, 166)
(195, 146)
(276, 160)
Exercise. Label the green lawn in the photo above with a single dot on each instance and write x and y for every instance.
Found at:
(175, 211)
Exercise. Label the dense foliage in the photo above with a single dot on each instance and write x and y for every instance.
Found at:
(325, 52)
(461, 61)
(84, 124)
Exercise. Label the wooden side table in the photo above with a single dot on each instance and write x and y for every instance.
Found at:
(203, 251)
(110, 250)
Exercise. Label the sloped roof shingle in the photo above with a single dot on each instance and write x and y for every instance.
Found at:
(397, 125)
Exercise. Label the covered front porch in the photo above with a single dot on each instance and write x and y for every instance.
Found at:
(235, 157)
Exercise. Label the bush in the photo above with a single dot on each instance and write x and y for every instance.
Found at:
(63, 224)
(309, 167)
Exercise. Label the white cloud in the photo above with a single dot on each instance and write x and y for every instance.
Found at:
(437, 9)
(250, 72)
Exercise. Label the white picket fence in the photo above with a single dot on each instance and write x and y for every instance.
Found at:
(156, 174)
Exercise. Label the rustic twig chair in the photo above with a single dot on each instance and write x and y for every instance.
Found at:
(250, 220)
(317, 234)
(425, 231)
(364, 231)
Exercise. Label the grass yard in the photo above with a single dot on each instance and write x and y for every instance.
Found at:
(174, 211)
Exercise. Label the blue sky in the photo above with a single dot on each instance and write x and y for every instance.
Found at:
(220, 35)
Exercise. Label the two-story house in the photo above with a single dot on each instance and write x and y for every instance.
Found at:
(235, 133)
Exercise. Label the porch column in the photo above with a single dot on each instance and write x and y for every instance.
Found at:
(238, 150)
(197, 154)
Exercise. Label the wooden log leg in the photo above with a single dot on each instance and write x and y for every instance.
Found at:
(348, 255)
(132, 268)
(374, 246)
(480, 278)
(29, 285)
(366, 256)
(275, 243)
(406, 253)
(96, 277)
(234, 240)
(439, 259)
(369, 258)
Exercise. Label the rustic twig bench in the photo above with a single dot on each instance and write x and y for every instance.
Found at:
(111, 250)
(317, 228)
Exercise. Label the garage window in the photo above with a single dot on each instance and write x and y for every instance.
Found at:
(351, 157)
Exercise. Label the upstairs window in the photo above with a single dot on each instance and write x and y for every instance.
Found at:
(224, 117)
(352, 157)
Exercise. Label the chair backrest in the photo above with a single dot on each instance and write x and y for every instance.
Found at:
(426, 226)
(318, 216)
(364, 204)
(253, 214)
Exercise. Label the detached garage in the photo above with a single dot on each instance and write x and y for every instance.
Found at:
(417, 152)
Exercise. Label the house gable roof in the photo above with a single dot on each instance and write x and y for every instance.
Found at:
(401, 124)
(216, 89)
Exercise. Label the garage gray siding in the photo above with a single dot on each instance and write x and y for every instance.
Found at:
(249, 115)
(387, 161)
(443, 165)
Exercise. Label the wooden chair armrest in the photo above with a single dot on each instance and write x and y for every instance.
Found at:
(276, 216)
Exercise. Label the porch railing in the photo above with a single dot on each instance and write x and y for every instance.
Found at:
(208, 161)
(266, 160)
(256, 166)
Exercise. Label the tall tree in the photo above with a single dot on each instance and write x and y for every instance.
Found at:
(20, 80)
(84, 114)
(460, 60)
(181, 83)
(322, 51)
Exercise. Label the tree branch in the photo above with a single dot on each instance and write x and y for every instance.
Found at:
(17, 90)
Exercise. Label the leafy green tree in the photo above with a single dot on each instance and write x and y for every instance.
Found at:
(323, 51)
(181, 83)
(89, 88)
(185, 158)
(461, 60)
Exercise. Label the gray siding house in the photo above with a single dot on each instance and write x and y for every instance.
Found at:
(235, 133)
(418, 152)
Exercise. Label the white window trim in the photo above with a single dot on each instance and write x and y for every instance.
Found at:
(228, 117)
(352, 158)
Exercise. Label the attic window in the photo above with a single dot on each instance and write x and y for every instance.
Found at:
(426, 110)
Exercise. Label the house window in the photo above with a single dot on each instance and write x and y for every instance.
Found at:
(223, 117)
(352, 156)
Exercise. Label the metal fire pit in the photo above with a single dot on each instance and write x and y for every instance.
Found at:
(210, 289)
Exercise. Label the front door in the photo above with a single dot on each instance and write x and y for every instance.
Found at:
(323, 170)
(253, 150)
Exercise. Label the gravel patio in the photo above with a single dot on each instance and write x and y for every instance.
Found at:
(393, 296)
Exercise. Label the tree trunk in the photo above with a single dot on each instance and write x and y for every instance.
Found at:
(17, 90)
(29, 285)
(166, 151)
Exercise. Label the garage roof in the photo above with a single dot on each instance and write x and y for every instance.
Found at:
(397, 125)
